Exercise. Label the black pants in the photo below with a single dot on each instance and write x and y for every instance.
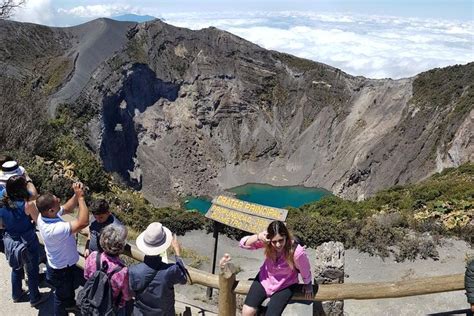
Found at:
(278, 300)
(63, 281)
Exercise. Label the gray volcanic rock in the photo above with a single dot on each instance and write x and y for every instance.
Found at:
(182, 112)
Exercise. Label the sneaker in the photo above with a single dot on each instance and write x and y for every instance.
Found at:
(43, 298)
(23, 297)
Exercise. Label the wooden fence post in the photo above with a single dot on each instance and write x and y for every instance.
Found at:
(329, 269)
(227, 298)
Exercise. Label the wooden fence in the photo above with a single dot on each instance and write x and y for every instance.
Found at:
(228, 285)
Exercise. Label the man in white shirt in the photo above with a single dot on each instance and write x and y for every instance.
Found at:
(60, 244)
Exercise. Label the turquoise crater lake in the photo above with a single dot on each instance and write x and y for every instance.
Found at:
(265, 194)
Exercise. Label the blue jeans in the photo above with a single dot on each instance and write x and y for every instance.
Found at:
(63, 282)
(31, 262)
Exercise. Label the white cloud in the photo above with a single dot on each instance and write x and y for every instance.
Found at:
(35, 11)
(371, 46)
(96, 11)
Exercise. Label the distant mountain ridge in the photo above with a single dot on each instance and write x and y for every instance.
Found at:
(133, 18)
(177, 112)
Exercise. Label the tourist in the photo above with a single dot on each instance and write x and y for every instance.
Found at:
(469, 283)
(60, 244)
(278, 275)
(153, 280)
(112, 240)
(3, 158)
(102, 218)
(20, 240)
(11, 168)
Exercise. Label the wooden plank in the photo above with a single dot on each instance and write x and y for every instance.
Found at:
(376, 290)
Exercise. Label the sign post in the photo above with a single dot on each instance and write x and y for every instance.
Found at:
(250, 217)
(215, 229)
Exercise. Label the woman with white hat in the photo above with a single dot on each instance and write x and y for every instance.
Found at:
(20, 238)
(153, 280)
(12, 168)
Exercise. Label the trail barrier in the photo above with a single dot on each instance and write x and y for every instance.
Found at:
(228, 285)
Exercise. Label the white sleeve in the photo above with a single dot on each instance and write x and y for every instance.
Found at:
(61, 211)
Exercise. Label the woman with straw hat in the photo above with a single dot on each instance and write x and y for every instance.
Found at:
(153, 280)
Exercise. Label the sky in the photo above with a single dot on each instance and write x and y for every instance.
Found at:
(370, 38)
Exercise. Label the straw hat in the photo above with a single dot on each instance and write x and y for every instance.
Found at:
(10, 169)
(154, 240)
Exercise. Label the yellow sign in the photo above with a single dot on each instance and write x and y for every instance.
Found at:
(243, 215)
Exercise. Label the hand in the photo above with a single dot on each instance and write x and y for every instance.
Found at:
(263, 236)
(308, 291)
(224, 260)
(472, 307)
(78, 188)
(27, 177)
(176, 246)
(86, 253)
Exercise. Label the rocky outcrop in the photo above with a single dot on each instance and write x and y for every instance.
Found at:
(184, 112)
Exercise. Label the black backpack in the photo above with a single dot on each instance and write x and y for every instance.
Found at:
(96, 298)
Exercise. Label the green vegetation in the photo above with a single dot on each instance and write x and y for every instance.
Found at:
(450, 92)
(411, 217)
(296, 62)
(136, 50)
(440, 87)
(57, 74)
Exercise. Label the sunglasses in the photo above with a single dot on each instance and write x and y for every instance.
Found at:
(274, 242)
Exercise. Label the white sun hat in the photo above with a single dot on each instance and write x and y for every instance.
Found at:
(154, 240)
(10, 169)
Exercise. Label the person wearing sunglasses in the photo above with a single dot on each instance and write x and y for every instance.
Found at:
(278, 276)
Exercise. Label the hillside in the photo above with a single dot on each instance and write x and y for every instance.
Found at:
(176, 112)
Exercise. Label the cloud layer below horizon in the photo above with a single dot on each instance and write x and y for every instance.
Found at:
(368, 45)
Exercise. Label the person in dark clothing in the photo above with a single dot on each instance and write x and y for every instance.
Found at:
(21, 242)
(3, 158)
(102, 218)
(153, 280)
(469, 283)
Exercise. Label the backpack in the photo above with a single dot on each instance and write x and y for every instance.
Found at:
(96, 298)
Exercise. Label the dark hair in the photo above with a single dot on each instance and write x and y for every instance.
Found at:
(4, 158)
(100, 206)
(45, 202)
(279, 228)
(15, 191)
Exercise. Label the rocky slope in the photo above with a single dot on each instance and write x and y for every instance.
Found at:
(181, 112)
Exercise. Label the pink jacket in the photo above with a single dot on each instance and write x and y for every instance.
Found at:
(277, 275)
(119, 280)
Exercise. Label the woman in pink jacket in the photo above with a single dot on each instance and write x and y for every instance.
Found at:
(278, 275)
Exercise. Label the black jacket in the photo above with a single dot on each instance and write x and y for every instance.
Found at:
(153, 283)
(469, 282)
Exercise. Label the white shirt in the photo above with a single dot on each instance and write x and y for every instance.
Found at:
(59, 243)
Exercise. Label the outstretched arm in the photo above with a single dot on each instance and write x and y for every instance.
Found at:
(304, 267)
(31, 188)
(82, 219)
(32, 210)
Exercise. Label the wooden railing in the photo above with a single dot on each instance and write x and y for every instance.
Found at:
(229, 286)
